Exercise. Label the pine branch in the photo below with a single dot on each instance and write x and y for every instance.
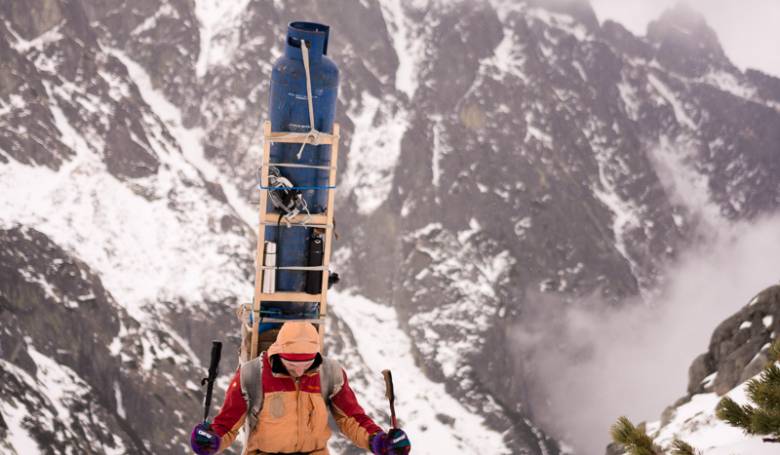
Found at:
(771, 374)
(765, 391)
(765, 422)
(774, 352)
(735, 415)
(633, 439)
(680, 447)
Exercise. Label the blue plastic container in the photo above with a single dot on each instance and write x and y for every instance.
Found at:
(289, 112)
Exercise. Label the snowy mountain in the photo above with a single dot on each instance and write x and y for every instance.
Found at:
(499, 153)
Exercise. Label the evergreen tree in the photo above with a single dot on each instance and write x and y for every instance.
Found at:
(763, 416)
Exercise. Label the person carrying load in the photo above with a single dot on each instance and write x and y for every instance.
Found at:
(282, 399)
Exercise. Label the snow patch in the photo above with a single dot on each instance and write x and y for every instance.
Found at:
(14, 414)
(374, 151)
(408, 45)
(729, 83)
(674, 162)
(709, 380)
(668, 95)
(38, 43)
(507, 58)
(220, 27)
(563, 22)
(440, 148)
(165, 10)
(630, 99)
(120, 408)
(522, 226)
(695, 423)
(539, 135)
(33, 277)
(627, 215)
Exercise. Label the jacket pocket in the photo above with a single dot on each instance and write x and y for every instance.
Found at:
(317, 421)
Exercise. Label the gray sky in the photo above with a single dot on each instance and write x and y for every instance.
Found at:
(749, 30)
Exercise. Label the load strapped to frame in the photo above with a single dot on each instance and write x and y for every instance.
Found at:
(297, 183)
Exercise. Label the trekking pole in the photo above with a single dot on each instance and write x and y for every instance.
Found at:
(390, 393)
(216, 353)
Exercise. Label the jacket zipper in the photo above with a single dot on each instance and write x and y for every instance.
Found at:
(298, 444)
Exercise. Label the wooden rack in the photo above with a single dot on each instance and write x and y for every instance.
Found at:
(321, 220)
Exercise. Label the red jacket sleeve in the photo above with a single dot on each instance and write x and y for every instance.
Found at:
(350, 417)
(233, 410)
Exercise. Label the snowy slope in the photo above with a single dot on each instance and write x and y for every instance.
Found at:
(436, 421)
(696, 424)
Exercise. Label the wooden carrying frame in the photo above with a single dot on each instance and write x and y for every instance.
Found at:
(321, 221)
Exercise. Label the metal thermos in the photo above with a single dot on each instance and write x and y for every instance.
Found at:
(269, 275)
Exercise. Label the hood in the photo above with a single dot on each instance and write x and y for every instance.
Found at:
(296, 338)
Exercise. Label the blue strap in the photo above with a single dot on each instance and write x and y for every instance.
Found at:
(302, 188)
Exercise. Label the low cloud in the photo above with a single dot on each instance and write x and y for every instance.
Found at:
(589, 363)
(746, 29)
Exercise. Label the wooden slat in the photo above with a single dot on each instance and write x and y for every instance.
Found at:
(282, 321)
(319, 218)
(299, 138)
(334, 160)
(288, 297)
(261, 237)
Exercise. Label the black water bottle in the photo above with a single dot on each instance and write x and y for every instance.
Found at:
(314, 277)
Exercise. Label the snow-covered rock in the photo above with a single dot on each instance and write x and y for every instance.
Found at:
(737, 353)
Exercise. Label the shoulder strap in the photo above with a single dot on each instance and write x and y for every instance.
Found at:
(252, 390)
(331, 378)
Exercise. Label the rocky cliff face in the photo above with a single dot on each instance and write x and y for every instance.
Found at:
(738, 346)
(78, 372)
(494, 150)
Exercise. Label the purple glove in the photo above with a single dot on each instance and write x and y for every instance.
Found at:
(395, 443)
(203, 440)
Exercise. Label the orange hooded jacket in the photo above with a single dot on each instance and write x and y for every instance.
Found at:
(294, 416)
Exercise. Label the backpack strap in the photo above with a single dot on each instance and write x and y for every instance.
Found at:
(331, 382)
(252, 390)
(331, 379)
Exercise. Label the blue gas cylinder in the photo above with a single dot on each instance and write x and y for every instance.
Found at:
(289, 111)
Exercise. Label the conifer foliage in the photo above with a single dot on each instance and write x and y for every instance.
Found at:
(635, 441)
(763, 416)
(683, 448)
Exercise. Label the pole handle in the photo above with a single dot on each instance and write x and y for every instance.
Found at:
(390, 394)
(216, 354)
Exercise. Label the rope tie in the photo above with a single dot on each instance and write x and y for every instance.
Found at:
(313, 136)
